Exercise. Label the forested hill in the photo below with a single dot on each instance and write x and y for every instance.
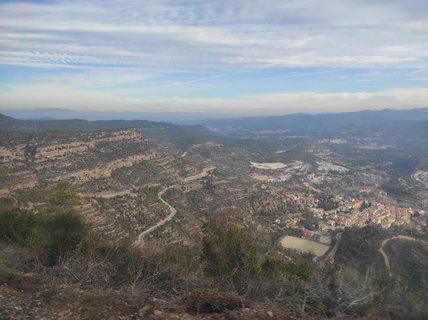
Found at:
(12, 124)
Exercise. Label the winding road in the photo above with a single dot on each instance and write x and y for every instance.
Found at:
(140, 241)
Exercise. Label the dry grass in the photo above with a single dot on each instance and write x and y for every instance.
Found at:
(316, 248)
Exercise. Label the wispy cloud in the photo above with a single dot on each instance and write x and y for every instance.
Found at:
(214, 33)
(84, 47)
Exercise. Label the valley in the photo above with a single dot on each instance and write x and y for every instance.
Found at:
(120, 173)
(301, 197)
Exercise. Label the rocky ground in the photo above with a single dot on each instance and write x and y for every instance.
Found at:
(73, 304)
(26, 296)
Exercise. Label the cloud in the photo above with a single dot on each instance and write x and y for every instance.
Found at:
(195, 35)
(57, 96)
(119, 54)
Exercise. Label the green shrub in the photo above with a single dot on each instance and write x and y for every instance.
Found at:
(63, 232)
(230, 254)
(61, 194)
(296, 268)
(272, 268)
(55, 231)
(19, 226)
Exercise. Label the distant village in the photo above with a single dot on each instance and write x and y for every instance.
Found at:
(347, 212)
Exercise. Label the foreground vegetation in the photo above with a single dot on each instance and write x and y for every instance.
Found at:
(231, 265)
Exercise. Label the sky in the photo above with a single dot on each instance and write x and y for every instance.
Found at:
(232, 57)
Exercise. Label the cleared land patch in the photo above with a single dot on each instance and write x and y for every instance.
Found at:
(304, 245)
(268, 165)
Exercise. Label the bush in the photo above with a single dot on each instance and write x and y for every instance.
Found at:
(63, 232)
(61, 194)
(230, 254)
(55, 230)
(296, 268)
(19, 226)
(125, 261)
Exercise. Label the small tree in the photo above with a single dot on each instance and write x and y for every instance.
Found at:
(19, 226)
(62, 194)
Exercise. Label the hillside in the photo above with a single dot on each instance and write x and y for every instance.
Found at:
(115, 171)
(154, 130)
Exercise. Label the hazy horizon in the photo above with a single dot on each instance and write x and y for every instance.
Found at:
(173, 117)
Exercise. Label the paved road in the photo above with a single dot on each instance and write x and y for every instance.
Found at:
(173, 211)
(140, 241)
(332, 252)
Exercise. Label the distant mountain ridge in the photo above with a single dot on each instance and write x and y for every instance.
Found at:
(327, 123)
(150, 129)
(67, 114)
(397, 127)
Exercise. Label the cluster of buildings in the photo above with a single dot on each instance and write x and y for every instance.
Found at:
(317, 236)
(362, 213)
(349, 212)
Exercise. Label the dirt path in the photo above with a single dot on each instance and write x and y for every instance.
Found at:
(109, 194)
(385, 256)
(199, 175)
